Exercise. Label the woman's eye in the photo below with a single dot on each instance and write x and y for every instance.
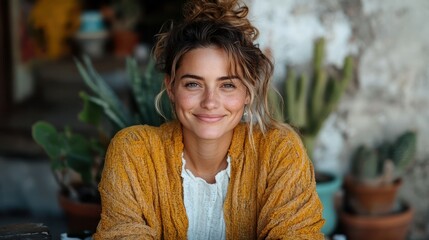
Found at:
(228, 85)
(191, 85)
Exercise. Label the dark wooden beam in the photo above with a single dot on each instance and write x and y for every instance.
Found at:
(5, 58)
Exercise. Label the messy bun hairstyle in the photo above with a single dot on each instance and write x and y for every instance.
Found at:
(224, 24)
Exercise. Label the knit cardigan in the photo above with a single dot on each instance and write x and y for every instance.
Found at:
(271, 193)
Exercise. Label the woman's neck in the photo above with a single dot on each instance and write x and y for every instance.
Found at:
(205, 158)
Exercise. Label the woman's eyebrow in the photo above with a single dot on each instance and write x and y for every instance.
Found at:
(201, 78)
(229, 78)
(192, 76)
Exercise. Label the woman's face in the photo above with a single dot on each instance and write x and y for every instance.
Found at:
(208, 100)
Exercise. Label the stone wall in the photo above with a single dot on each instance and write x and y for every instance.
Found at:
(390, 93)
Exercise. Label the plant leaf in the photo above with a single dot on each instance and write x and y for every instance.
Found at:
(47, 137)
(91, 112)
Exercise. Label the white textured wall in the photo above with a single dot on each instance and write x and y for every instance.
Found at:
(290, 26)
(391, 92)
(391, 39)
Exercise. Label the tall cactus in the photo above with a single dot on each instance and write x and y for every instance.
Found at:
(310, 101)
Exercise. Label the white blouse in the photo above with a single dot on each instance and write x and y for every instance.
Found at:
(204, 204)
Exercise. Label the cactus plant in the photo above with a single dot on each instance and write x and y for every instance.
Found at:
(310, 101)
(375, 176)
(386, 163)
(72, 153)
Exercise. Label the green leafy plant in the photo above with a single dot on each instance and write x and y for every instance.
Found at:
(77, 160)
(309, 101)
(385, 163)
(71, 153)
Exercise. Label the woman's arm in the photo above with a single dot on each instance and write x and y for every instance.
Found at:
(291, 207)
(123, 216)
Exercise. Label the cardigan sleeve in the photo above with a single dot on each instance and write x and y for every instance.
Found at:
(291, 207)
(123, 216)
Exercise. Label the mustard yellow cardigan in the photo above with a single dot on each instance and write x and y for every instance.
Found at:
(271, 193)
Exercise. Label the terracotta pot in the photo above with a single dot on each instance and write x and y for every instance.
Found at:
(125, 42)
(370, 200)
(387, 227)
(80, 216)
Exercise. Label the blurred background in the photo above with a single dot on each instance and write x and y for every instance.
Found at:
(388, 94)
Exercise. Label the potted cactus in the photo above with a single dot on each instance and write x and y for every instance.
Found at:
(371, 209)
(308, 103)
(77, 160)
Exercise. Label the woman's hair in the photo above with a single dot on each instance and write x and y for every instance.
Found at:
(223, 24)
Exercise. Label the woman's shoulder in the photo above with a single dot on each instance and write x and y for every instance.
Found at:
(144, 133)
(280, 133)
(282, 139)
(135, 133)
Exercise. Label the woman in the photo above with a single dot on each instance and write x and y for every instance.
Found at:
(224, 169)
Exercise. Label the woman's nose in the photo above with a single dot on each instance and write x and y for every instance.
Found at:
(210, 99)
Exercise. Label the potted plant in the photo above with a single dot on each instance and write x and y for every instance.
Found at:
(77, 160)
(123, 16)
(92, 35)
(308, 103)
(371, 209)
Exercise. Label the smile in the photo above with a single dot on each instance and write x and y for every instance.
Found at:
(209, 118)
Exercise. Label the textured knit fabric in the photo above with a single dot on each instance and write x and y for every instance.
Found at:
(204, 204)
(271, 193)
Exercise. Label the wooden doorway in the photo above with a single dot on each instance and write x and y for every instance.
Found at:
(5, 59)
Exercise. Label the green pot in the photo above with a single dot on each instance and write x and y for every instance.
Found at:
(326, 191)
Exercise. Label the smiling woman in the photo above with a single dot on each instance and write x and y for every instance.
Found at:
(209, 104)
(211, 173)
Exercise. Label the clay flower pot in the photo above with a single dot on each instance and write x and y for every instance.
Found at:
(125, 42)
(370, 200)
(80, 216)
(393, 226)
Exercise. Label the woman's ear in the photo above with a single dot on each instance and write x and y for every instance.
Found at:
(169, 87)
(247, 100)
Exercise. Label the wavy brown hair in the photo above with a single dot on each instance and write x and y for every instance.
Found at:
(222, 24)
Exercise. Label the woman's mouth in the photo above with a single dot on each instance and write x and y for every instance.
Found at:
(210, 118)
